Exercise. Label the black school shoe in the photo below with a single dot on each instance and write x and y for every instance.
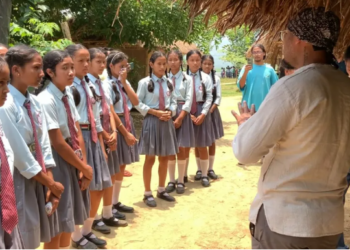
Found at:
(205, 182)
(149, 200)
(170, 188)
(112, 222)
(102, 229)
(198, 176)
(180, 188)
(88, 245)
(98, 242)
(118, 215)
(185, 179)
(162, 196)
(212, 175)
(122, 208)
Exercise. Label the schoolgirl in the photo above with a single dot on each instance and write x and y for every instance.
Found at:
(201, 117)
(157, 103)
(9, 234)
(109, 134)
(123, 98)
(183, 91)
(92, 133)
(208, 68)
(68, 147)
(23, 119)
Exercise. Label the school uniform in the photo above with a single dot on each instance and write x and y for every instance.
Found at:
(74, 206)
(216, 117)
(34, 223)
(158, 137)
(104, 113)
(126, 154)
(204, 133)
(183, 92)
(95, 158)
(9, 232)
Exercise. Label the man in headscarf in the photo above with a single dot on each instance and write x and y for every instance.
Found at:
(303, 128)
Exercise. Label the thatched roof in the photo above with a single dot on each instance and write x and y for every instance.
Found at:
(268, 16)
(184, 48)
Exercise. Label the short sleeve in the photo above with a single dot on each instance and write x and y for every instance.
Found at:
(50, 113)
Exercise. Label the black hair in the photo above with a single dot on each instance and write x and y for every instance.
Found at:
(20, 55)
(94, 52)
(260, 46)
(347, 54)
(283, 67)
(50, 61)
(114, 58)
(210, 57)
(153, 59)
(73, 48)
(189, 54)
(179, 54)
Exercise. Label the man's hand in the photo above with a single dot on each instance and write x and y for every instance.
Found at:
(245, 112)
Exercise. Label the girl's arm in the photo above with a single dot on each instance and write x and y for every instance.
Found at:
(128, 89)
(209, 95)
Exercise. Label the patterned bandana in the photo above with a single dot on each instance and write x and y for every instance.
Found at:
(316, 26)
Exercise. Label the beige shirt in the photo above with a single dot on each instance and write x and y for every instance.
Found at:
(303, 129)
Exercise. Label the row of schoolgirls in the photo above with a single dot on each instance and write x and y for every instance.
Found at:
(65, 147)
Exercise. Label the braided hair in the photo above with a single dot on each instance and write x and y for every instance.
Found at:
(114, 58)
(210, 57)
(153, 59)
(189, 54)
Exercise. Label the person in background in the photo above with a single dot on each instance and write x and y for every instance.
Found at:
(286, 69)
(302, 128)
(3, 49)
(256, 80)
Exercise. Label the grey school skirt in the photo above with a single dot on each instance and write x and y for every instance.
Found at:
(204, 133)
(185, 133)
(101, 177)
(10, 241)
(35, 225)
(217, 124)
(127, 154)
(158, 138)
(74, 206)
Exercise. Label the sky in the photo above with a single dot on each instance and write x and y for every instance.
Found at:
(217, 55)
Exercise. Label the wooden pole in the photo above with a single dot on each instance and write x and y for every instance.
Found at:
(66, 30)
(5, 18)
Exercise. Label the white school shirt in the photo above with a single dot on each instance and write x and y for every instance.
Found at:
(199, 90)
(16, 121)
(8, 151)
(55, 111)
(82, 107)
(183, 89)
(150, 100)
(217, 84)
(119, 106)
(93, 81)
(303, 129)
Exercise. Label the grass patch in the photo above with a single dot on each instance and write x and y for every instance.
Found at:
(229, 87)
(228, 80)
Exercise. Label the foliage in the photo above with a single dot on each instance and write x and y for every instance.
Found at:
(240, 41)
(28, 27)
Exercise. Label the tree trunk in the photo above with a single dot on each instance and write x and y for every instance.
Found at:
(5, 17)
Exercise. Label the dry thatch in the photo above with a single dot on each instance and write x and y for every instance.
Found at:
(268, 16)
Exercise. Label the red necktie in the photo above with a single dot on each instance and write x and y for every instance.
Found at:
(194, 99)
(126, 108)
(38, 153)
(105, 110)
(161, 95)
(71, 126)
(90, 114)
(8, 198)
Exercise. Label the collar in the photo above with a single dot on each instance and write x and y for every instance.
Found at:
(155, 78)
(177, 75)
(78, 81)
(18, 96)
(195, 73)
(115, 80)
(92, 78)
(54, 90)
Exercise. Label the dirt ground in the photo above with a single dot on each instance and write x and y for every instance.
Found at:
(209, 218)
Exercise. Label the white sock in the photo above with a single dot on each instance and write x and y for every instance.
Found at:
(77, 235)
(204, 167)
(171, 170)
(86, 229)
(211, 161)
(107, 212)
(116, 191)
(181, 167)
(162, 189)
(99, 217)
(186, 171)
(147, 193)
(198, 160)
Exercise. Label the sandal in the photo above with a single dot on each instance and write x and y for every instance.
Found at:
(170, 188)
(88, 245)
(98, 242)
(127, 173)
(162, 196)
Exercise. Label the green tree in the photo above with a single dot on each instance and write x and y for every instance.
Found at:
(240, 41)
